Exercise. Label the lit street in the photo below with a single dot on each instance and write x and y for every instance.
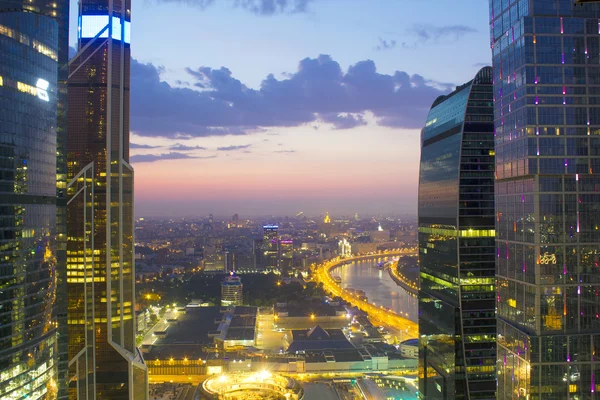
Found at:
(383, 315)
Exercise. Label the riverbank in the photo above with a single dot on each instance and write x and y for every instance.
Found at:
(379, 312)
(403, 282)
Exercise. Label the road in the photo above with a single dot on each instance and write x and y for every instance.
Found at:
(380, 314)
(161, 325)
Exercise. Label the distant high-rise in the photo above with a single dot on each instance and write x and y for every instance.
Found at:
(104, 362)
(286, 255)
(232, 291)
(270, 248)
(28, 259)
(457, 349)
(546, 57)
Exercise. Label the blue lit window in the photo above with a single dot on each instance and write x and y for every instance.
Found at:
(90, 25)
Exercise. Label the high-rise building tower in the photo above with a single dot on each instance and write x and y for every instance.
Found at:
(28, 261)
(270, 248)
(104, 362)
(286, 255)
(58, 10)
(546, 57)
(232, 291)
(457, 349)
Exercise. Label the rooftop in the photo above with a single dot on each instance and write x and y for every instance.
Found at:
(317, 309)
(193, 327)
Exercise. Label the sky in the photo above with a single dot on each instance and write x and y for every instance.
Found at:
(272, 107)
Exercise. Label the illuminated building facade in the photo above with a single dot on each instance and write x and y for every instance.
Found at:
(58, 10)
(286, 255)
(104, 362)
(546, 57)
(232, 291)
(270, 248)
(28, 102)
(457, 349)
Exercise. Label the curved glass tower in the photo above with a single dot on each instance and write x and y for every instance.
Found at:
(456, 245)
(28, 101)
(546, 57)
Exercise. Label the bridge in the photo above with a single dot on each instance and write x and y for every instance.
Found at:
(383, 315)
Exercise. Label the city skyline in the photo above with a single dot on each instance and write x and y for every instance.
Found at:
(292, 160)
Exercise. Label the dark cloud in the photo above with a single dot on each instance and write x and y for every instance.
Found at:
(318, 91)
(141, 146)
(386, 44)
(258, 7)
(233, 148)
(285, 151)
(341, 121)
(183, 147)
(140, 158)
(437, 34)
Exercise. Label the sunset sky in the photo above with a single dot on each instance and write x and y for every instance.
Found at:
(281, 106)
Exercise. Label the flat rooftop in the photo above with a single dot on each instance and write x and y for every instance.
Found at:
(193, 327)
(308, 309)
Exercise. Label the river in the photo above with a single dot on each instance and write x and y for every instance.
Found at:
(378, 287)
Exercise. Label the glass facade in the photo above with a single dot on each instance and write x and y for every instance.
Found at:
(58, 10)
(456, 246)
(270, 248)
(104, 362)
(546, 57)
(28, 100)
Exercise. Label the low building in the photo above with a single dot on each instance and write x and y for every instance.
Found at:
(317, 338)
(232, 291)
(339, 361)
(306, 316)
(192, 343)
(410, 348)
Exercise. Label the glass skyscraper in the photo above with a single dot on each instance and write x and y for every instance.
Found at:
(104, 362)
(546, 57)
(457, 325)
(28, 101)
(58, 10)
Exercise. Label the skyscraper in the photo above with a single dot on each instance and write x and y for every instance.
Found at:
(104, 362)
(286, 255)
(58, 10)
(232, 290)
(546, 57)
(270, 248)
(456, 245)
(28, 101)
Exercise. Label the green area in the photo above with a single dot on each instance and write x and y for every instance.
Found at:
(261, 290)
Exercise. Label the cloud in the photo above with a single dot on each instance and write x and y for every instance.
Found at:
(233, 148)
(140, 158)
(343, 120)
(285, 151)
(437, 34)
(257, 7)
(319, 91)
(386, 44)
(141, 146)
(183, 147)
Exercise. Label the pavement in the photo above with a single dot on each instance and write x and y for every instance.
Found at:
(320, 391)
(161, 325)
(268, 340)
